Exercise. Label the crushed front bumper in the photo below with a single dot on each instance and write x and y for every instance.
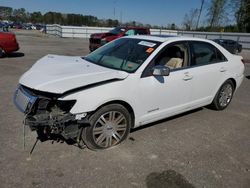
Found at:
(48, 116)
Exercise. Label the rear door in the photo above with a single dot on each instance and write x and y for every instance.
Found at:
(207, 69)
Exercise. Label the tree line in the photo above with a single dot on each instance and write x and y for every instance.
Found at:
(220, 15)
(22, 16)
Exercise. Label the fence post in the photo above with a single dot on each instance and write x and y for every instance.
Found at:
(238, 38)
(86, 32)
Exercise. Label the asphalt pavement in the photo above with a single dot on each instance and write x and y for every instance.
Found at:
(201, 148)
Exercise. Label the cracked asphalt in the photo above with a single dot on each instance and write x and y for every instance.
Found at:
(201, 148)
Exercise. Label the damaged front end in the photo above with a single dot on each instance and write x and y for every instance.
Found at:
(49, 116)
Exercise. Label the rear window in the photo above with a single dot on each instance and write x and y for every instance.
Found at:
(205, 53)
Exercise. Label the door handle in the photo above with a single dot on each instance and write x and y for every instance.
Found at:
(223, 69)
(187, 77)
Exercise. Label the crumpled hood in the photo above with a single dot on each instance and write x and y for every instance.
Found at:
(58, 74)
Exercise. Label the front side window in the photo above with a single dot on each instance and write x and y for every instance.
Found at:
(205, 53)
(174, 56)
(125, 54)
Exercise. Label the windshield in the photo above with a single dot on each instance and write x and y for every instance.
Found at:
(117, 30)
(125, 54)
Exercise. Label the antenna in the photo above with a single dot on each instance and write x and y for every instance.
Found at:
(121, 17)
(114, 8)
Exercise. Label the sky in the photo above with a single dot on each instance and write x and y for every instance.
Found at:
(155, 12)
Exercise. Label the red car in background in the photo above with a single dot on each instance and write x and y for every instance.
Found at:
(8, 43)
(98, 39)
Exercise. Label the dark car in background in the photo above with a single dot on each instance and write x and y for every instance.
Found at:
(98, 39)
(8, 43)
(4, 26)
(230, 45)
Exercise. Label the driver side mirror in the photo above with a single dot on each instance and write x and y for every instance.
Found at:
(160, 70)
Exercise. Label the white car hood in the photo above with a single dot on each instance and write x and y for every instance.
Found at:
(58, 74)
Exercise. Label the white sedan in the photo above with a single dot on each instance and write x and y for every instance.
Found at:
(127, 83)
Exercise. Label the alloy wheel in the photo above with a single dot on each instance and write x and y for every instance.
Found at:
(109, 129)
(225, 95)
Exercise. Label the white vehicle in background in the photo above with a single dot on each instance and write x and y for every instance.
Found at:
(127, 83)
(33, 27)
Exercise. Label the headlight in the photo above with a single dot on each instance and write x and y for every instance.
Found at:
(47, 104)
(65, 105)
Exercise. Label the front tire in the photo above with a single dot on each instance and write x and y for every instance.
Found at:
(224, 96)
(109, 126)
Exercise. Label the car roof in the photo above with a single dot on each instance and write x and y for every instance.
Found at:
(165, 38)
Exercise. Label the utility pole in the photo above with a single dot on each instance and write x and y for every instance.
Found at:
(114, 9)
(198, 20)
(121, 17)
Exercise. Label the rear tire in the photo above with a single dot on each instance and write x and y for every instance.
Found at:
(224, 96)
(1, 52)
(109, 126)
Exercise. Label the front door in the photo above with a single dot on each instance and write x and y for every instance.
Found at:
(163, 96)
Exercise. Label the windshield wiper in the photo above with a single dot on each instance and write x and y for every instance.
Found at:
(126, 59)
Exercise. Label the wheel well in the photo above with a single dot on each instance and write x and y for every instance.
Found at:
(234, 82)
(126, 105)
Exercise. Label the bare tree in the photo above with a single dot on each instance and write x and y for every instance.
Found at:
(216, 12)
(199, 16)
(190, 19)
(241, 10)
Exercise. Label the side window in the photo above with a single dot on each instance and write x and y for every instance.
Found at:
(174, 56)
(205, 53)
(141, 32)
(130, 32)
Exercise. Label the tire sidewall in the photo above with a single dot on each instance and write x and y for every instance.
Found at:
(88, 131)
(216, 102)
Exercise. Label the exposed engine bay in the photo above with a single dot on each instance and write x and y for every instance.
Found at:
(51, 118)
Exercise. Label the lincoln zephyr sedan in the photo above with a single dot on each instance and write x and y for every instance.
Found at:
(129, 82)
